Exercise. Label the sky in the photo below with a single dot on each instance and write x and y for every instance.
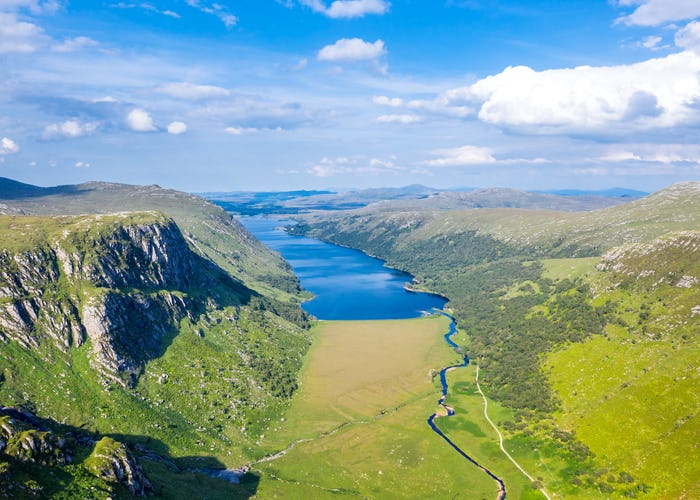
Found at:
(204, 95)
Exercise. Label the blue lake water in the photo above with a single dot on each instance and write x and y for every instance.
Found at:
(347, 284)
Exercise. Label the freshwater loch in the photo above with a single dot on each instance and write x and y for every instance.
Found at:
(346, 283)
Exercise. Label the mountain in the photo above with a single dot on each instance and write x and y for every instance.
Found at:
(585, 325)
(416, 197)
(611, 193)
(162, 342)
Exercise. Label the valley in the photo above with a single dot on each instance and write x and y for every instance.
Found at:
(170, 341)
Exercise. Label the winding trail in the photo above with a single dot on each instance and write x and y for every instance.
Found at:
(500, 436)
(450, 411)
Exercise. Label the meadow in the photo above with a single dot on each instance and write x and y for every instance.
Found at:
(358, 421)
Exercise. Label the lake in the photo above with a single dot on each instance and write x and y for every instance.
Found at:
(347, 284)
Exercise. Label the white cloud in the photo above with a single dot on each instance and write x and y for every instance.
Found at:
(657, 93)
(69, 129)
(465, 155)
(34, 6)
(655, 12)
(249, 130)
(139, 120)
(650, 42)
(689, 37)
(348, 8)
(74, 44)
(82, 164)
(352, 49)
(8, 146)
(653, 153)
(19, 36)
(301, 64)
(145, 6)
(217, 10)
(177, 128)
(402, 119)
(191, 91)
(383, 100)
(358, 165)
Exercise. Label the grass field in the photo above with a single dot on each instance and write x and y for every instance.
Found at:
(359, 420)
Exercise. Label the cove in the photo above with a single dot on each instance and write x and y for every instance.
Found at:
(347, 284)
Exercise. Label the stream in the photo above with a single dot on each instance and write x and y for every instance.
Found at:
(450, 411)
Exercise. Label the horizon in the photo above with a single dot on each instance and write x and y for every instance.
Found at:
(285, 95)
(349, 189)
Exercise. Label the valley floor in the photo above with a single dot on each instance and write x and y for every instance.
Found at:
(359, 420)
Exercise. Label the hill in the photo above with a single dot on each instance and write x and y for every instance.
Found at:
(414, 197)
(587, 358)
(124, 342)
(209, 230)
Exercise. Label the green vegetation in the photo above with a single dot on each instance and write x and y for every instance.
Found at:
(586, 353)
(359, 420)
(113, 326)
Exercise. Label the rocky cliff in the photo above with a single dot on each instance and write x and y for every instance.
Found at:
(121, 282)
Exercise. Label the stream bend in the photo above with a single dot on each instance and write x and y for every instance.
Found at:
(450, 411)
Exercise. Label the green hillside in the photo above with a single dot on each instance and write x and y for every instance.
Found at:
(128, 355)
(208, 229)
(585, 325)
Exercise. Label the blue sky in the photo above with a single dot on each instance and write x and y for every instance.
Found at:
(201, 95)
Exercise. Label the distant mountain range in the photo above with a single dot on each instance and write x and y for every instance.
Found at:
(296, 202)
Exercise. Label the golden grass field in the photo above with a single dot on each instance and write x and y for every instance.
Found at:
(359, 420)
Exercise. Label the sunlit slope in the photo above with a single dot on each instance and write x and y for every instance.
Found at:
(386, 229)
(632, 395)
(599, 338)
(208, 229)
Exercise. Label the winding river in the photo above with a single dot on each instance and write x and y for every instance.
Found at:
(450, 411)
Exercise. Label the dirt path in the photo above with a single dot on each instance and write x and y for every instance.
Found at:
(500, 436)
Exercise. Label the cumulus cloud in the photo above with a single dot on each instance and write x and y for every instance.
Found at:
(177, 128)
(82, 164)
(69, 129)
(192, 91)
(139, 120)
(352, 49)
(465, 155)
(8, 146)
(348, 8)
(689, 37)
(657, 93)
(656, 12)
(401, 119)
(19, 36)
(74, 44)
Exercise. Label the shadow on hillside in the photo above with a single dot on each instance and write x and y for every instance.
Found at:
(186, 478)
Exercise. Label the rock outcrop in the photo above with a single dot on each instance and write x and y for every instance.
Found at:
(120, 282)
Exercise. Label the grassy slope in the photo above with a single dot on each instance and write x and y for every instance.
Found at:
(640, 400)
(226, 369)
(208, 229)
(633, 395)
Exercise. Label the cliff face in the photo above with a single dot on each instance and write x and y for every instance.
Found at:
(120, 282)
